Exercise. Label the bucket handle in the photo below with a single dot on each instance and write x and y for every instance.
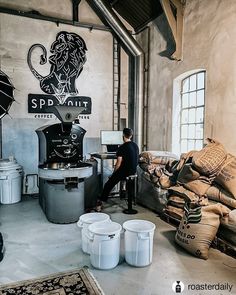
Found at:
(80, 224)
(141, 237)
(89, 236)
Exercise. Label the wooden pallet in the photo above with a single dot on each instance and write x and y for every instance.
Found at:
(218, 243)
(224, 246)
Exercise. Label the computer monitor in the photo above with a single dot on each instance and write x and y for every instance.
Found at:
(112, 139)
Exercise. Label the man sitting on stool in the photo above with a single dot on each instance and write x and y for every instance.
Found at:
(126, 165)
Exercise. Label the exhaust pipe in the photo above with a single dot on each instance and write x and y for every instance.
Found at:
(133, 49)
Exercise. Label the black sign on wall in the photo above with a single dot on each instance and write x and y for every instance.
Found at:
(38, 103)
(67, 61)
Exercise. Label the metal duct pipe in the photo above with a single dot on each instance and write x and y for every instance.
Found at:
(75, 6)
(131, 46)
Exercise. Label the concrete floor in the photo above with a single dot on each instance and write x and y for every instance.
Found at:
(36, 247)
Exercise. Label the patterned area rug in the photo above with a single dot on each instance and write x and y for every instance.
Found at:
(77, 282)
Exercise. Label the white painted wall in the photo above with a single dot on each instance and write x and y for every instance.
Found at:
(17, 34)
(208, 42)
(54, 8)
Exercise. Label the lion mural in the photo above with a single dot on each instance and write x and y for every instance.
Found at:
(67, 61)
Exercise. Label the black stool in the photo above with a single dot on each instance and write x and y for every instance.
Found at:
(131, 191)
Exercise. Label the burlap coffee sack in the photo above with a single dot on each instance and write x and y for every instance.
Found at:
(185, 158)
(230, 221)
(209, 160)
(156, 157)
(192, 180)
(216, 193)
(150, 168)
(161, 160)
(174, 212)
(203, 201)
(165, 181)
(198, 228)
(188, 173)
(176, 201)
(227, 175)
(198, 186)
(159, 170)
(145, 157)
(188, 196)
(176, 198)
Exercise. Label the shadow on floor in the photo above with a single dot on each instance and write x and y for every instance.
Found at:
(170, 236)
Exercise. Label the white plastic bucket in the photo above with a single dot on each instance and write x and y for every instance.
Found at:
(139, 242)
(10, 181)
(104, 244)
(84, 221)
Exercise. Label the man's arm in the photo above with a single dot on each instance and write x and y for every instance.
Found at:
(118, 163)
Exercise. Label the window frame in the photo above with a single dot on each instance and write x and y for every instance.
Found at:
(189, 107)
(177, 108)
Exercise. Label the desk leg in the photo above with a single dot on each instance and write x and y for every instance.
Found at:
(102, 173)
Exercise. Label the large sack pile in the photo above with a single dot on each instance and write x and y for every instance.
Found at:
(198, 179)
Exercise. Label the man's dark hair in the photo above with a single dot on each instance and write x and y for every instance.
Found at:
(128, 132)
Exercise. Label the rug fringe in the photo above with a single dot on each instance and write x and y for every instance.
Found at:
(96, 282)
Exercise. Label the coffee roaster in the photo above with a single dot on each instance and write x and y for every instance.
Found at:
(62, 170)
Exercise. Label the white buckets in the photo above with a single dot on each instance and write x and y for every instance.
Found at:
(10, 181)
(139, 242)
(105, 244)
(84, 221)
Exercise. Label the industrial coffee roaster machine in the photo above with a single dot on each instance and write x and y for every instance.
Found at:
(62, 171)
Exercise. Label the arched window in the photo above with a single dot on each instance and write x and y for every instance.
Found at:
(188, 112)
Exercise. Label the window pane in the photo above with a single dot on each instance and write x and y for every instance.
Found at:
(191, 117)
(191, 145)
(200, 97)
(185, 86)
(199, 144)
(200, 80)
(185, 100)
(191, 131)
(184, 118)
(184, 131)
(193, 83)
(184, 146)
(199, 114)
(192, 112)
(199, 131)
(192, 99)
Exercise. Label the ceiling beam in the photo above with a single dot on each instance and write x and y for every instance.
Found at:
(55, 20)
(176, 24)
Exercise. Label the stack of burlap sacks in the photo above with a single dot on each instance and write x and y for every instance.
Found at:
(201, 193)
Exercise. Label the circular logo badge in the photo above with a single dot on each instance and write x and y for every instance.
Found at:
(178, 287)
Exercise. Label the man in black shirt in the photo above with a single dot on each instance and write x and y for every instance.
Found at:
(126, 164)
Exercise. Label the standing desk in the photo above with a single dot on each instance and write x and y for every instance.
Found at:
(103, 156)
